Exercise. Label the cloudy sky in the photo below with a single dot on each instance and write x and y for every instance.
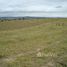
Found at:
(46, 8)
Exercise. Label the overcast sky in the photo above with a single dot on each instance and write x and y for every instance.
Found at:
(46, 8)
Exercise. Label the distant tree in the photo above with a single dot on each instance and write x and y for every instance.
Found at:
(2, 20)
(23, 18)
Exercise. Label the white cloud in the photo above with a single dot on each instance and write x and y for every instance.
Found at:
(34, 5)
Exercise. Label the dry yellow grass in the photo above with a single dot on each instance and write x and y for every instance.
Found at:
(20, 40)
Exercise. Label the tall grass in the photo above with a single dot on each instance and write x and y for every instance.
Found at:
(22, 40)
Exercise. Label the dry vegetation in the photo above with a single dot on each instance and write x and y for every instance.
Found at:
(33, 43)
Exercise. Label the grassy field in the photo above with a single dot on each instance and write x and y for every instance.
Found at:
(33, 43)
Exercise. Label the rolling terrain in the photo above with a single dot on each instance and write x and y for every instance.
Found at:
(33, 43)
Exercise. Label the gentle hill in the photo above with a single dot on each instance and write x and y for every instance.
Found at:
(33, 43)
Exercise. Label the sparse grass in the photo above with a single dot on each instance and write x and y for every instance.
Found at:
(27, 36)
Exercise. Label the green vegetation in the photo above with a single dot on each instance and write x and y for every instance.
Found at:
(33, 43)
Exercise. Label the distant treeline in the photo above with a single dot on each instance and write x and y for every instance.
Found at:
(26, 18)
(10, 18)
(18, 18)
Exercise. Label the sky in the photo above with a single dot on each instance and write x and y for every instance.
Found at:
(43, 8)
